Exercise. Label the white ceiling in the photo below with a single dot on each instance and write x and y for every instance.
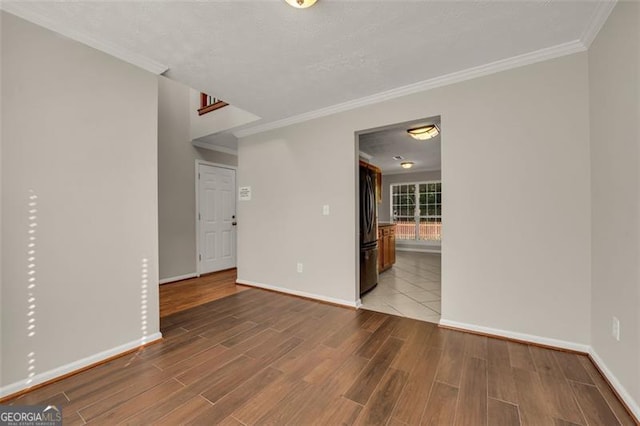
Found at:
(382, 145)
(276, 61)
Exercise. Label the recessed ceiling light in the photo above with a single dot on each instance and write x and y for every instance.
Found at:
(398, 157)
(424, 132)
(406, 164)
(301, 4)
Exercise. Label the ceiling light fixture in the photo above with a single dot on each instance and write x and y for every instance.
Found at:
(423, 133)
(406, 164)
(301, 4)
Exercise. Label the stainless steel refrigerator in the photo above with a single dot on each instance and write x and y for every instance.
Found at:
(368, 231)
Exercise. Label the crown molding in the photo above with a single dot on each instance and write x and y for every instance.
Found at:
(212, 147)
(411, 170)
(445, 80)
(364, 155)
(25, 11)
(598, 18)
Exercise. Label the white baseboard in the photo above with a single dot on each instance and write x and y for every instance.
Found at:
(76, 365)
(613, 380)
(314, 296)
(178, 278)
(562, 344)
(416, 250)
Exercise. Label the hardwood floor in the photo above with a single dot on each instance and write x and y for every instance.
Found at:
(258, 357)
(186, 294)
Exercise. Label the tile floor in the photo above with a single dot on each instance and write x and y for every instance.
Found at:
(411, 288)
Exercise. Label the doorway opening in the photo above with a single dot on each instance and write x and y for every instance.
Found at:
(408, 215)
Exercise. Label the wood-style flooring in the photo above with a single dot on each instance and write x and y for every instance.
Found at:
(181, 295)
(258, 357)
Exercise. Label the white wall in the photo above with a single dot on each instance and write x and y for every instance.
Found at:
(528, 272)
(176, 179)
(216, 121)
(80, 134)
(614, 83)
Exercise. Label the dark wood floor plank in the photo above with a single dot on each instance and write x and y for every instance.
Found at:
(384, 399)
(295, 400)
(99, 399)
(414, 347)
(244, 335)
(476, 346)
(344, 377)
(620, 411)
(416, 393)
(441, 407)
(264, 401)
(532, 402)
(502, 413)
(366, 383)
(235, 373)
(500, 374)
(572, 367)
(560, 422)
(161, 408)
(545, 361)
(472, 396)
(180, 354)
(371, 346)
(343, 412)
(189, 362)
(207, 368)
(452, 359)
(520, 356)
(350, 328)
(72, 419)
(593, 405)
(259, 357)
(562, 403)
(376, 319)
(405, 328)
(182, 295)
(132, 406)
(184, 413)
(238, 397)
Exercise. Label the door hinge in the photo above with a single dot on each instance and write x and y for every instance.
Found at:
(200, 257)
(199, 216)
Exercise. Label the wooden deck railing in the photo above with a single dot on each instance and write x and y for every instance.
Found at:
(427, 231)
(210, 103)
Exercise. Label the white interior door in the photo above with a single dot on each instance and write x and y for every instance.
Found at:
(217, 218)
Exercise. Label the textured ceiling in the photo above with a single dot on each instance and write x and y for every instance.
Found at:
(383, 145)
(276, 61)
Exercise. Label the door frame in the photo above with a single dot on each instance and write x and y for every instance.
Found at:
(197, 189)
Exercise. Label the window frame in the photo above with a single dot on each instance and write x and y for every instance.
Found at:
(433, 218)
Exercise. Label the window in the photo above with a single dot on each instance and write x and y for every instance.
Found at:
(416, 209)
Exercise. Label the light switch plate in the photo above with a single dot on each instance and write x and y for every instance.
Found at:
(325, 210)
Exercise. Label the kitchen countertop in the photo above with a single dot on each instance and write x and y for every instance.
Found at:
(383, 224)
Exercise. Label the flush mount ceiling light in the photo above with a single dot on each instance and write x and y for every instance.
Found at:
(423, 133)
(406, 164)
(301, 4)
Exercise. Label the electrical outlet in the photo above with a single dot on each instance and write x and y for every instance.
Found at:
(615, 328)
(325, 210)
(300, 267)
